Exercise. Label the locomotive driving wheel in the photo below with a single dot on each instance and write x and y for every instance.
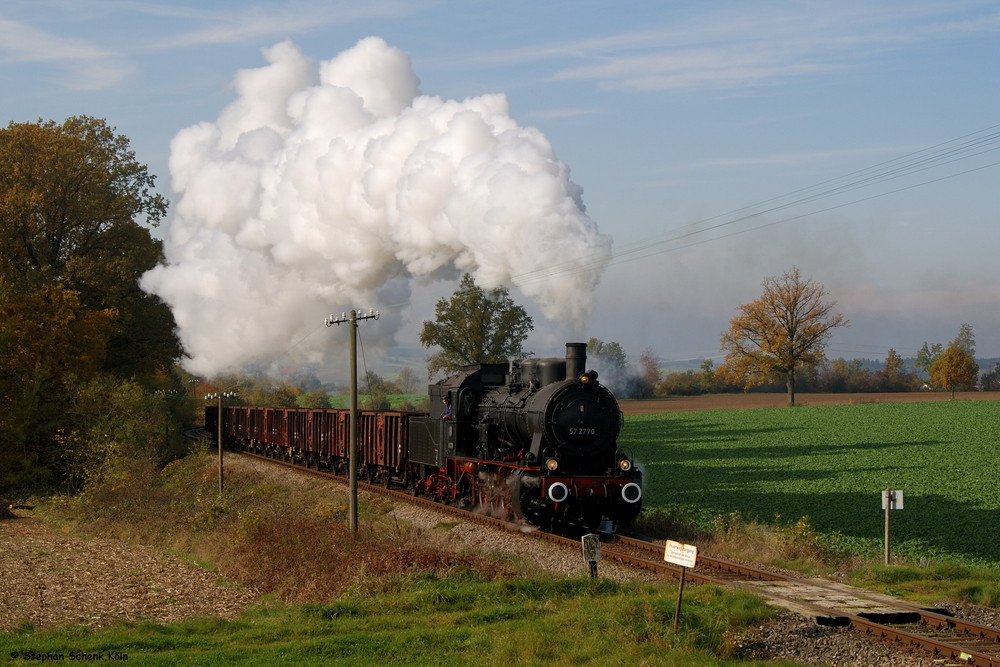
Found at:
(495, 496)
(528, 501)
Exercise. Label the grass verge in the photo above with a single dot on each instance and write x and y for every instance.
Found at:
(441, 621)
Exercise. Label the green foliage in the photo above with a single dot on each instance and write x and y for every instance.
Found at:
(926, 356)
(443, 622)
(611, 355)
(475, 327)
(377, 392)
(408, 402)
(830, 463)
(114, 431)
(316, 400)
(934, 582)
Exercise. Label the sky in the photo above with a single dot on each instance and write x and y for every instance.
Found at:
(678, 152)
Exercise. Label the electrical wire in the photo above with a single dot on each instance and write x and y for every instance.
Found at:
(964, 147)
(948, 152)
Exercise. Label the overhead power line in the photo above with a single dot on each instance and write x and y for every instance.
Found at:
(940, 155)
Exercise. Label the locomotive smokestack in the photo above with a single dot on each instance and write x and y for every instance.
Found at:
(576, 359)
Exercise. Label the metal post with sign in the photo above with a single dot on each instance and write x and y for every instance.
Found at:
(891, 500)
(685, 555)
(591, 551)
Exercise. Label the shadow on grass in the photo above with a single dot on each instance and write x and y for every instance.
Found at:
(718, 469)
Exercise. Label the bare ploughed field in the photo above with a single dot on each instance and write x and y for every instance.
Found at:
(745, 401)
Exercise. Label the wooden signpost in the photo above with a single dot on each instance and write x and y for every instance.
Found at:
(685, 555)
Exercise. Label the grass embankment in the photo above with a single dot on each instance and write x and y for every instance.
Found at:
(802, 488)
(391, 595)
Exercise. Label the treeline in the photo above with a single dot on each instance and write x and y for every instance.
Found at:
(837, 376)
(88, 379)
(305, 390)
(936, 367)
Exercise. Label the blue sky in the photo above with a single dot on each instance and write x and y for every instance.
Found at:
(717, 143)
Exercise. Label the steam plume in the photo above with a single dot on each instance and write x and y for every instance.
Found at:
(319, 189)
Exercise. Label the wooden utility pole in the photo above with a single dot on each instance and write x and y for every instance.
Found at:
(221, 485)
(352, 465)
(220, 395)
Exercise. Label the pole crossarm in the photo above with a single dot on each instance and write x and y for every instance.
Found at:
(354, 315)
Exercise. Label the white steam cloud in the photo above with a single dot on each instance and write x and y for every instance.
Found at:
(315, 191)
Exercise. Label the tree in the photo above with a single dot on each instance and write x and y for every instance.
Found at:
(926, 356)
(783, 330)
(73, 202)
(966, 340)
(611, 355)
(893, 376)
(475, 327)
(378, 394)
(650, 375)
(954, 369)
(315, 400)
(990, 380)
(74, 206)
(407, 381)
(708, 374)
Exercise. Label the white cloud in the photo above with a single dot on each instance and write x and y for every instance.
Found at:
(758, 45)
(254, 23)
(85, 65)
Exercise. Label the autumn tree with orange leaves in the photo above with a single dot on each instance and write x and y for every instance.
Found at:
(954, 369)
(782, 331)
(78, 337)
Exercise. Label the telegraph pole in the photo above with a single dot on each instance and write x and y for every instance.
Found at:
(220, 395)
(352, 466)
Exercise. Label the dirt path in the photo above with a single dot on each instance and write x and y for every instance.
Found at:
(49, 578)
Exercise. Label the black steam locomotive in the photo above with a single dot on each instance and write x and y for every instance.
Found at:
(534, 441)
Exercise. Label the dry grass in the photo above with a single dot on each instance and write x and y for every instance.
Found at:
(795, 545)
(290, 539)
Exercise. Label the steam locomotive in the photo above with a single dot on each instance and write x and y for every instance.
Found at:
(533, 441)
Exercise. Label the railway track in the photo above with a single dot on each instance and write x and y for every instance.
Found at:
(929, 631)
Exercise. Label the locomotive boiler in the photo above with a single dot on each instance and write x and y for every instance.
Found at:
(533, 441)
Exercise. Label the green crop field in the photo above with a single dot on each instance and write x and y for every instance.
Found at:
(830, 463)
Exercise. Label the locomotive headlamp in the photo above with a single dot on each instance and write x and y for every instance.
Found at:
(558, 492)
(552, 464)
(624, 464)
(631, 493)
(584, 379)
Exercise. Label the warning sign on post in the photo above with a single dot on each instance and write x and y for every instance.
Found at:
(892, 500)
(681, 554)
